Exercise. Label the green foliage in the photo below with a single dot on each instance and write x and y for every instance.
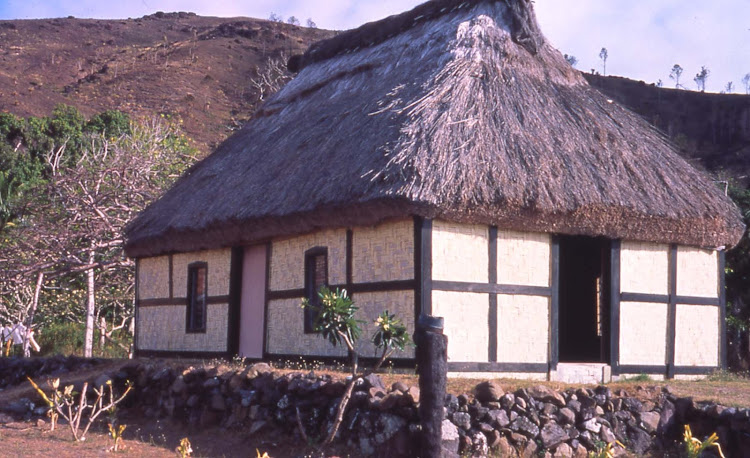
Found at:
(61, 339)
(335, 317)
(390, 332)
(67, 339)
(110, 123)
(738, 267)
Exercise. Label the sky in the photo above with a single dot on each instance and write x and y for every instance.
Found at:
(644, 39)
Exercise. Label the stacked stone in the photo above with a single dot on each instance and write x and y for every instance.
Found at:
(384, 421)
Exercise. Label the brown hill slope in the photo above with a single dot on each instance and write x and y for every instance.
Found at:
(198, 68)
(201, 69)
(712, 129)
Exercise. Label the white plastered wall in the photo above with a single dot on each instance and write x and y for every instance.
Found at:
(643, 333)
(466, 318)
(371, 305)
(644, 268)
(522, 329)
(697, 272)
(460, 252)
(219, 271)
(383, 253)
(162, 328)
(153, 277)
(288, 259)
(523, 258)
(286, 332)
(697, 335)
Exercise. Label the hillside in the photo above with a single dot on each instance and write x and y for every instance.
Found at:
(180, 64)
(712, 129)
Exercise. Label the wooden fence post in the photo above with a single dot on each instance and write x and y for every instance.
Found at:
(432, 367)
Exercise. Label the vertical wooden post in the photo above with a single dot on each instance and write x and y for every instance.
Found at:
(432, 364)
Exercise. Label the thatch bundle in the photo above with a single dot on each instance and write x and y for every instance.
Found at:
(458, 110)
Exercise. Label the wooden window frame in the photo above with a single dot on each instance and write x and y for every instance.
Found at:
(194, 270)
(310, 292)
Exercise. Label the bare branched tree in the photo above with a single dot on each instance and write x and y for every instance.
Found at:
(271, 77)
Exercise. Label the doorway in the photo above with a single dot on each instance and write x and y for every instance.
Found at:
(584, 299)
(252, 323)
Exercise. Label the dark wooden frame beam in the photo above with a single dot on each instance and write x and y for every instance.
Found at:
(486, 288)
(671, 311)
(722, 310)
(235, 300)
(554, 330)
(422, 267)
(492, 312)
(498, 367)
(614, 298)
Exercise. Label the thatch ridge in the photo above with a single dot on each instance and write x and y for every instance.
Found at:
(524, 29)
(452, 119)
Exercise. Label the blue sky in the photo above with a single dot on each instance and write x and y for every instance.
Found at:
(644, 39)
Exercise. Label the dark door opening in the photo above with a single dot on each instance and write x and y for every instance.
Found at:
(584, 299)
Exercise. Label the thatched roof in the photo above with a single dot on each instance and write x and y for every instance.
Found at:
(457, 110)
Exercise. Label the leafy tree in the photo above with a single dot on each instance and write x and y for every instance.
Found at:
(604, 55)
(746, 83)
(292, 20)
(729, 88)
(110, 123)
(701, 77)
(311, 24)
(675, 75)
(275, 17)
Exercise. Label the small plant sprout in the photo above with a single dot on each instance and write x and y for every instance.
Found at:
(264, 455)
(694, 448)
(184, 450)
(605, 450)
(71, 409)
(115, 431)
(51, 412)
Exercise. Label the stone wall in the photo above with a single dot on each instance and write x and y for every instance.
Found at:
(383, 420)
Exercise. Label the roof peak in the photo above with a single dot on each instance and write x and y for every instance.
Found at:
(524, 29)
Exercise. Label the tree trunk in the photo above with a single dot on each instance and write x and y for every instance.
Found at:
(102, 332)
(32, 312)
(88, 346)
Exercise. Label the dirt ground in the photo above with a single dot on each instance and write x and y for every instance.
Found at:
(158, 438)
